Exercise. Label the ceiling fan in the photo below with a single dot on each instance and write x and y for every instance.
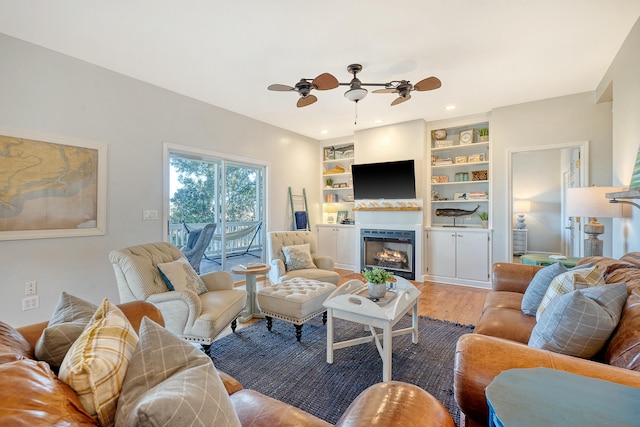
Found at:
(356, 90)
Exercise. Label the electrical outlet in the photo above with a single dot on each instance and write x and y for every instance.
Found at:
(149, 215)
(29, 303)
(31, 288)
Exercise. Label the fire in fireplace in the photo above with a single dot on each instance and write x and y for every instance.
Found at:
(392, 250)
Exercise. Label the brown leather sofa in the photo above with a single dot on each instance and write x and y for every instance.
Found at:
(500, 338)
(30, 386)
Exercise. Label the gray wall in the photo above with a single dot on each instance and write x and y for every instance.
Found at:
(560, 120)
(46, 92)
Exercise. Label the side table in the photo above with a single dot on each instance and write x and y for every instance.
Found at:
(251, 308)
(550, 397)
(519, 241)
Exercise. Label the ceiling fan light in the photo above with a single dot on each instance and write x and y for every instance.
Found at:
(356, 94)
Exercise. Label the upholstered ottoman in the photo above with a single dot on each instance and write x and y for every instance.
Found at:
(295, 300)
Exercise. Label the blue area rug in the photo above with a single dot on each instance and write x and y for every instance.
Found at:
(297, 373)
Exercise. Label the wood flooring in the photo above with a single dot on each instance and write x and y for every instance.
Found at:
(460, 304)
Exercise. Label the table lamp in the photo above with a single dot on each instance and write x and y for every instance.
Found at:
(330, 210)
(521, 207)
(591, 202)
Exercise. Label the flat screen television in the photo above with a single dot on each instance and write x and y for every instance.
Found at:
(387, 180)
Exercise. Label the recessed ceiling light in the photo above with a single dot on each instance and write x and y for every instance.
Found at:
(451, 107)
(378, 121)
(324, 131)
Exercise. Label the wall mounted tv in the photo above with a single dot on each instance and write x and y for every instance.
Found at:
(388, 180)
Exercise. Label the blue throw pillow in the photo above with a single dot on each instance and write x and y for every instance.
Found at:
(540, 283)
(538, 286)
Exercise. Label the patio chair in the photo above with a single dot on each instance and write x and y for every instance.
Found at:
(192, 316)
(197, 242)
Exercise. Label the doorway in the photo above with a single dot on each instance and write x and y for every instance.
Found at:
(539, 176)
(210, 188)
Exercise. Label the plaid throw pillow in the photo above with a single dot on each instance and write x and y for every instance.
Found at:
(171, 383)
(97, 362)
(568, 282)
(579, 323)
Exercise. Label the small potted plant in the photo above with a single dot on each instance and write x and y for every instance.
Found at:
(484, 217)
(377, 279)
(483, 135)
(329, 182)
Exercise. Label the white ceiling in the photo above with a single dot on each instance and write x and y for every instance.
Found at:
(488, 53)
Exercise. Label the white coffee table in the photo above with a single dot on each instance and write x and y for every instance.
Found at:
(351, 302)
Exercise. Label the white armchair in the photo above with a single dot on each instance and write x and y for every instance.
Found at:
(276, 240)
(194, 317)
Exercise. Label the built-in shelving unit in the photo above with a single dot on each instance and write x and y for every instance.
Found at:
(459, 173)
(337, 185)
(458, 249)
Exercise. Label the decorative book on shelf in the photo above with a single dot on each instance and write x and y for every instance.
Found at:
(252, 266)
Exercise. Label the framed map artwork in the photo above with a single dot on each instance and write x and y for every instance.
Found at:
(51, 186)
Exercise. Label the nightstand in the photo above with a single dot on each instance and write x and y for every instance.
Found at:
(519, 241)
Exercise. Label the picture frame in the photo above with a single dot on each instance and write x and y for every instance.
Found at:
(461, 159)
(475, 158)
(329, 153)
(466, 137)
(342, 215)
(62, 192)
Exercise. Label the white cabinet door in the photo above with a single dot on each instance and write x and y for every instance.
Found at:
(327, 241)
(345, 246)
(458, 254)
(472, 258)
(339, 243)
(441, 253)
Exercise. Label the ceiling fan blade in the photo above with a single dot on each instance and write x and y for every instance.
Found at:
(325, 81)
(307, 100)
(400, 100)
(279, 87)
(430, 83)
(389, 90)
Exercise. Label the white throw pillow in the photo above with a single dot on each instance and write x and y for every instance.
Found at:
(180, 276)
(298, 257)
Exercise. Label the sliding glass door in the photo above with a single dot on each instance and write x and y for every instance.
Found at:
(208, 189)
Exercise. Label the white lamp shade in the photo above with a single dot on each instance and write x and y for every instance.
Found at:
(522, 206)
(592, 202)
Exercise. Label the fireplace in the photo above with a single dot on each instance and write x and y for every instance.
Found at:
(392, 250)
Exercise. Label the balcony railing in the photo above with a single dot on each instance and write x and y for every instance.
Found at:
(241, 236)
